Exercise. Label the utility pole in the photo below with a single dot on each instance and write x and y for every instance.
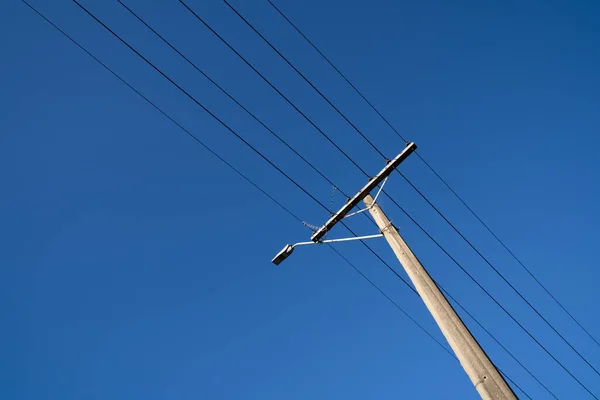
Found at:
(482, 372)
(480, 369)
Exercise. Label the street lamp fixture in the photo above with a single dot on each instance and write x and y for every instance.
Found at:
(289, 248)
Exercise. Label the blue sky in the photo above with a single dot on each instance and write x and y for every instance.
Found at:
(136, 265)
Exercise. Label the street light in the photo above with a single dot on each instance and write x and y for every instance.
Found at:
(289, 248)
(344, 212)
(283, 254)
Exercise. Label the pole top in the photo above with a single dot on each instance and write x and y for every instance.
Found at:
(373, 182)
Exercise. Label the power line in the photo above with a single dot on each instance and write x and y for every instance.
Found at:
(392, 301)
(444, 347)
(435, 173)
(178, 52)
(305, 79)
(354, 163)
(161, 111)
(211, 80)
(228, 128)
(214, 116)
(291, 148)
(230, 166)
(305, 117)
(191, 97)
(335, 68)
(472, 278)
(200, 142)
(437, 210)
(496, 340)
(261, 123)
(254, 149)
(270, 131)
(273, 87)
(505, 280)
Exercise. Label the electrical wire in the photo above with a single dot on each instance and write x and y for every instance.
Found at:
(191, 97)
(391, 300)
(254, 149)
(529, 272)
(200, 142)
(211, 80)
(230, 166)
(220, 121)
(274, 88)
(286, 144)
(353, 162)
(305, 79)
(514, 289)
(162, 112)
(496, 340)
(270, 131)
(322, 205)
(472, 278)
(440, 344)
(437, 210)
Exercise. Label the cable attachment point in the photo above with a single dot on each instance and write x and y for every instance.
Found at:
(374, 200)
(387, 227)
(312, 227)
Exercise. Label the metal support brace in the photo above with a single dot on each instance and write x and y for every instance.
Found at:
(374, 200)
(340, 240)
(372, 184)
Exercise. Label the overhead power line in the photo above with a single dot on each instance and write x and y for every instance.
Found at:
(512, 317)
(461, 200)
(162, 112)
(229, 165)
(288, 178)
(274, 88)
(226, 126)
(304, 115)
(514, 289)
(354, 163)
(209, 149)
(211, 80)
(448, 351)
(496, 340)
(435, 208)
(305, 79)
(249, 145)
(269, 130)
(299, 155)
(245, 178)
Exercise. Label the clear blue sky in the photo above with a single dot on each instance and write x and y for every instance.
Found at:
(136, 265)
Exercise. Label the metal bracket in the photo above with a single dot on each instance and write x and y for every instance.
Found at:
(387, 227)
(362, 193)
(340, 240)
(374, 200)
(288, 249)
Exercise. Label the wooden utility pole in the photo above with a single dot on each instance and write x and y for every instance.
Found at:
(480, 369)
